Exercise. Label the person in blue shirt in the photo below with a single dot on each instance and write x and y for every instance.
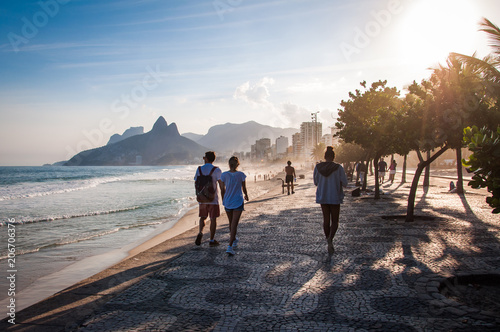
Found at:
(330, 179)
(234, 193)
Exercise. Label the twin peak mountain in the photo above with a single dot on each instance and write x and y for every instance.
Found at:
(163, 145)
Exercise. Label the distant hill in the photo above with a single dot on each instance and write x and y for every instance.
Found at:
(232, 137)
(132, 131)
(192, 136)
(163, 145)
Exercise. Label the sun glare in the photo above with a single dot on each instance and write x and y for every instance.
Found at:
(431, 29)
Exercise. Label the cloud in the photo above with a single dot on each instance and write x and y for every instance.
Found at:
(294, 114)
(257, 94)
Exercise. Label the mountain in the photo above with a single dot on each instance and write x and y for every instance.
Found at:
(232, 137)
(163, 145)
(132, 131)
(192, 136)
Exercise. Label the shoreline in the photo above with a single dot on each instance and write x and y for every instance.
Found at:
(75, 273)
(189, 220)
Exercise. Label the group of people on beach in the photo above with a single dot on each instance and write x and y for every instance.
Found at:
(329, 177)
(382, 170)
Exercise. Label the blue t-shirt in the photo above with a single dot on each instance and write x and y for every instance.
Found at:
(233, 198)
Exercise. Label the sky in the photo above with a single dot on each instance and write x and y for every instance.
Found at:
(75, 72)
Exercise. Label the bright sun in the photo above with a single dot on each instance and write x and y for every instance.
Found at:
(430, 29)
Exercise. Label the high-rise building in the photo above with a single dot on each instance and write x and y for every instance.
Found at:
(297, 145)
(281, 145)
(310, 136)
(262, 148)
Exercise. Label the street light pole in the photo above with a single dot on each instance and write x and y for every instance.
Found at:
(314, 117)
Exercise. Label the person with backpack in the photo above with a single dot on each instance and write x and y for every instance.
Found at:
(206, 179)
(330, 179)
(234, 193)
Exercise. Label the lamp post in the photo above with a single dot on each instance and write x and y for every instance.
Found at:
(314, 117)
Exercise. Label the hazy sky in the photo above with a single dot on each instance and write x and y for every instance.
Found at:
(72, 73)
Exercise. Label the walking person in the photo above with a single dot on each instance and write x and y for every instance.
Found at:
(234, 193)
(211, 208)
(290, 176)
(392, 171)
(382, 168)
(330, 179)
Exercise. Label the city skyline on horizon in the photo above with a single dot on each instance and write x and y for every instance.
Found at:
(76, 72)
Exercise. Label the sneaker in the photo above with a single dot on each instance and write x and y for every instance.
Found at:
(235, 242)
(230, 250)
(198, 239)
(213, 243)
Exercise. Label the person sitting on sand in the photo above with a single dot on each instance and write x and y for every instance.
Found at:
(290, 175)
(330, 177)
(232, 189)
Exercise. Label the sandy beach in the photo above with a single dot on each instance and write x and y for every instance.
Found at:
(48, 285)
(282, 276)
(190, 219)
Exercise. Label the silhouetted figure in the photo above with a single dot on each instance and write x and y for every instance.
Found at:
(330, 179)
(290, 176)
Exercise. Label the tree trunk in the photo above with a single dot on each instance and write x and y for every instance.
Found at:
(427, 171)
(410, 209)
(460, 180)
(403, 177)
(371, 168)
(377, 184)
(365, 176)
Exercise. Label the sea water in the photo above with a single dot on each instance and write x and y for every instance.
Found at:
(63, 215)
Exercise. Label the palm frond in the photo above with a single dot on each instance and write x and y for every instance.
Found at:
(494, 34)
(487, 66)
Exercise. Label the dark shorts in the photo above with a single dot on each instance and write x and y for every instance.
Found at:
(289, 178)
(211, 210)
(240, 208)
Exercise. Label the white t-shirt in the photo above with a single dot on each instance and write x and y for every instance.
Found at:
(233, 198)
(205, 170)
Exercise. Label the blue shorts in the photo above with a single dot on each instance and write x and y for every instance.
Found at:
(239, 208)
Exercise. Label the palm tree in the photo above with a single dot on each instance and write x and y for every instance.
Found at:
(490, 72)
(458, 84)
(318, 152)
(490, 65)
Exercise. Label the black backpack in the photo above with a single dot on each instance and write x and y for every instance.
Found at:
(205, 191)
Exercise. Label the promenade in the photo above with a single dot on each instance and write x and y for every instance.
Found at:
(385, 274)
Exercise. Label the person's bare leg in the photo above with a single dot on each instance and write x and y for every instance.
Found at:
(201, 224)
(326, 219)
(213, 228)
(229, 217)
(334, 217)
(234, 225)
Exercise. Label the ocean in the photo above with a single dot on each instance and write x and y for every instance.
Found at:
(62, 215)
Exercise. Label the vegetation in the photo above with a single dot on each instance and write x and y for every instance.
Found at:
(368, 119)
(431, 118)
(318, 152)
(484, 142)
(485, 161)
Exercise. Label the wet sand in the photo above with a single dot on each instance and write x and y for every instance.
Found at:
(90, 266)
